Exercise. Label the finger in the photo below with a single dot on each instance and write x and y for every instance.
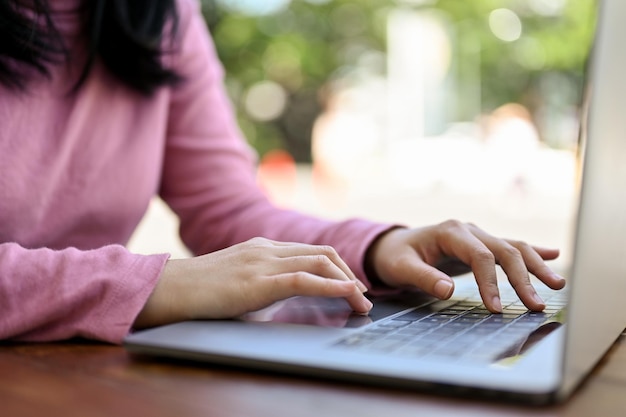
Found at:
(460, 242)
(322, 266)
(307, 284)
(514, 263)
(534, 258)
(297, 250)
(547, 254)
(410, 269)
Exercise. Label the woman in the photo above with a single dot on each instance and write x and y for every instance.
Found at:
(105, 104)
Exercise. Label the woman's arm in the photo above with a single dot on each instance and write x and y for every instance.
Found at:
(53, 295)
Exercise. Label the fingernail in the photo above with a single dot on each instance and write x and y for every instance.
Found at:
(443, 288)
(560, 278)
(497, 305)
(538, 299)
(361, 286)
(368, 304)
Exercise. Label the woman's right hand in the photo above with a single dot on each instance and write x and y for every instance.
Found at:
(247, 277)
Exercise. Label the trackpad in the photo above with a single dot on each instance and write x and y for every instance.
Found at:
(335, 312)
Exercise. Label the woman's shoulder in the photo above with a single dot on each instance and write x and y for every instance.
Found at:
(190, 17)
(195, 55)
(187, 8)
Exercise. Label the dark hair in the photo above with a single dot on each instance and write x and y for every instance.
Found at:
(127, 35)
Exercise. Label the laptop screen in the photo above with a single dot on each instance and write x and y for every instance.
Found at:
(598, 271)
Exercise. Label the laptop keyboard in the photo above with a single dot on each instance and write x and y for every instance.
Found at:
(460, 328)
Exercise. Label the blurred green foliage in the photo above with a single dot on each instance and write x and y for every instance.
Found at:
(303, 46)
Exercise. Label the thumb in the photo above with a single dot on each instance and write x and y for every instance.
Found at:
(417, 273)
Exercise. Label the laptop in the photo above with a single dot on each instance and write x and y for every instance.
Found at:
(412, 341)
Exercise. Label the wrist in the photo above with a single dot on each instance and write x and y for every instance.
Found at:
(159, 308)
(370, 258)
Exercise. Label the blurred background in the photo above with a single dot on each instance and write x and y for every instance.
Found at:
(412, 111)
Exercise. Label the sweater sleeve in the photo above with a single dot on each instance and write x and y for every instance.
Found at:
(209, 170)
(53, 295)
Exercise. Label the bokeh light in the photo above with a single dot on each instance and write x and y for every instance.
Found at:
(255, 7)
(547, 7)
(266, 101)
(505, 24)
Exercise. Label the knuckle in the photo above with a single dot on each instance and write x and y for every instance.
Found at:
(452, 226)
(511, 252)
(255, 249)
(322, 261)
(295, 280)
(489, 287)
(258, 241)
(522, 246)
(327, 250)
(483, 255)
(523, 283)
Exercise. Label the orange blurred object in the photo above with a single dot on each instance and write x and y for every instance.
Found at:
(277, 175)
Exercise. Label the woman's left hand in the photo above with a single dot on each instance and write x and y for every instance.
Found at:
(421, 257)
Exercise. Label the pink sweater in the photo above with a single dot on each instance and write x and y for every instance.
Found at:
(77, 173)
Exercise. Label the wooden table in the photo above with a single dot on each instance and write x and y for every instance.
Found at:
(88, 379)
